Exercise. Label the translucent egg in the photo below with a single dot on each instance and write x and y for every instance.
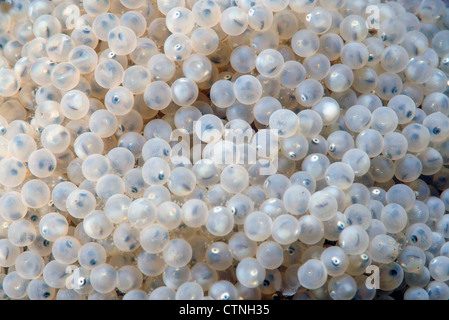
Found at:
(160, 67)
(355, 55)
(384, 249)
(97, 225)
(65, 249)
(394, 59)
(412, 259)
(250, 273)
(206, 172)
(342, 287)
(438, 127)
(316, 165)
(109, 73)
(177, 253)
(126, 237)
(240, 247)
(264, 108)
(319, 20)
(162, 293)
(180, 20)
(46, 26)
(260, 18)
(335, 260)
(404, 107)
(358, 160)
(330, 45)
(293, 73)
(296, 205)
(384, 120)
(440, 43)
(53, 226)
(175, 277)
(184, 91)
(365, 80)
(169, 215)
(218, 256)
(206, 13)
(353, 28)
(91, 254)
(317, 66)
(354, 240)
(10, 82)
(285, 122)
(119, 100)
(391, 32)
(197, 68)
(222, 94)
(21, 146)
(220, 221)
(74, 104)
(181, 181)
(189, 291)
(416, 294)
(209, 128)
(371, 142)
(194, 213)
(312, 274)
(234, 21)
(258, 226)
(223, 290)
(21, 233)
(436, 209)
(42, 163)
(121, 160)
(103, 278)
(419, 69)
(408, 168)
(116, 208)
(204, 40)
(35, 193)
(234, 178)
(419, 235)
(437, 290)
(295, 147)
(135, 21)
(311, 229)
(177, 47)
(309, 92)
(88, 143)
(15, 286)
(39, 290)
(136, 79)
(270, 63)
(339, 78)
(270, 255)
(247, 89)
(55, 138)
(394, 218)
(65, 76)
(340, 175)
(155, 171)
(157, 95)
(10, 253)
(84, 58)
(305, 43)
(395, 146)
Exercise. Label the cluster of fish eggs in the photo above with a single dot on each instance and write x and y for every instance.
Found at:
(224, 149)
